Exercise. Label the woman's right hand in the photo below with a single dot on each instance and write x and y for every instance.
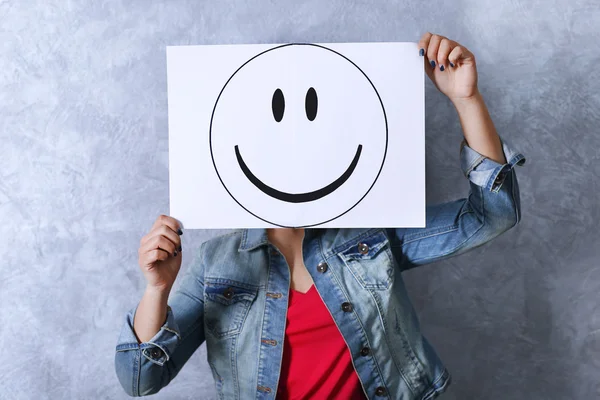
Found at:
(450, 66)
(159, 255)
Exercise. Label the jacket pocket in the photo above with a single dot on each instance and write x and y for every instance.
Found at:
(370, 260)
(226, 305)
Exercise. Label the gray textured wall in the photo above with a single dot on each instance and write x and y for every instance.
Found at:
(83, 174)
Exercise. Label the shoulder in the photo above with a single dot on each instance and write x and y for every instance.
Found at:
(222, 243)
(221, 246)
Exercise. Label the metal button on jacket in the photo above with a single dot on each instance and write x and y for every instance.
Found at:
(365, 351)
(322, 267)
(363, 248)
(346, 307)
(155, 352)
(380, 391)
(228, 293)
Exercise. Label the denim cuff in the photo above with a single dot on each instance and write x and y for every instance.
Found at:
(485, 172)
(160, 347)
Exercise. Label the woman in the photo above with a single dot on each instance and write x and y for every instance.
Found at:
(319, 313)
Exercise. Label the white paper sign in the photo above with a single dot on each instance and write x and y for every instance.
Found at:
(296, 135)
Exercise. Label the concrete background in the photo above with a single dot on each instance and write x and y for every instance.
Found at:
(83, 174)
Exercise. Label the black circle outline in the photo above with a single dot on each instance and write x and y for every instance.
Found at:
(215, 107)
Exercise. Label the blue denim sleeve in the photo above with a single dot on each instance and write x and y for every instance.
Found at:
(491, 208)
(145, 368)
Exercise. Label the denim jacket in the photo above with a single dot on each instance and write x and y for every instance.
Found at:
(234, 296)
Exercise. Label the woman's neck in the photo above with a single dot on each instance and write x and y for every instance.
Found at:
(286, 238)
(289, 242)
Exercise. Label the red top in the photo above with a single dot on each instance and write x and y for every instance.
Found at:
(316, 361)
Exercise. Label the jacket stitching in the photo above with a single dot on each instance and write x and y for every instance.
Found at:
(460, 245)
(264, 318)
(434, 390)
(214, 281)
(347, 242)
(389, 345)
(363, 335)
(234, 373)
(515, 207)
(442, 231)
(136, 373)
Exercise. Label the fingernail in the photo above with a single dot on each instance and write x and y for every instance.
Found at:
(179, 232)
(175, 254)
(452, 65)
(433, 63)
(179, 249)
(441, 67)
(422, 52)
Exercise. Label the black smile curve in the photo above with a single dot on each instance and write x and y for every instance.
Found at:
(298, 197)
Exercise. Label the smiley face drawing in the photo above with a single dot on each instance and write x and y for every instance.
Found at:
(298, 135)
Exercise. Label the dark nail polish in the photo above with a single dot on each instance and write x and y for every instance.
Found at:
(179, 232)
(422, 52)
(452, 65)
(175, 254)
(179, 249)
(441, 67)
(433, 63)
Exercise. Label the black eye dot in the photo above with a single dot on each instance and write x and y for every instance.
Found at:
(278, 105)
(311, 104)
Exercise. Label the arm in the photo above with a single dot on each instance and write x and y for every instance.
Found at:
(145, 368)
(478, 129)
(156, 340)
(151, 313)
(453, 70)
(491, 208)
(493, 204)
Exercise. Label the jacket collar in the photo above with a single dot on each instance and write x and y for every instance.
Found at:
(253, 238)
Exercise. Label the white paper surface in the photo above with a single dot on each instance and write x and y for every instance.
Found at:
(243, 156)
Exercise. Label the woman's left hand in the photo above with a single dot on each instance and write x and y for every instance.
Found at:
(450, 66)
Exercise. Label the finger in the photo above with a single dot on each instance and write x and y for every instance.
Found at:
(444, 50)
(432, 49)
(159, 243)
(154, 256)
(459, 54)
(164, 231)
(424, 43)
(170, 222)
(428, 70)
